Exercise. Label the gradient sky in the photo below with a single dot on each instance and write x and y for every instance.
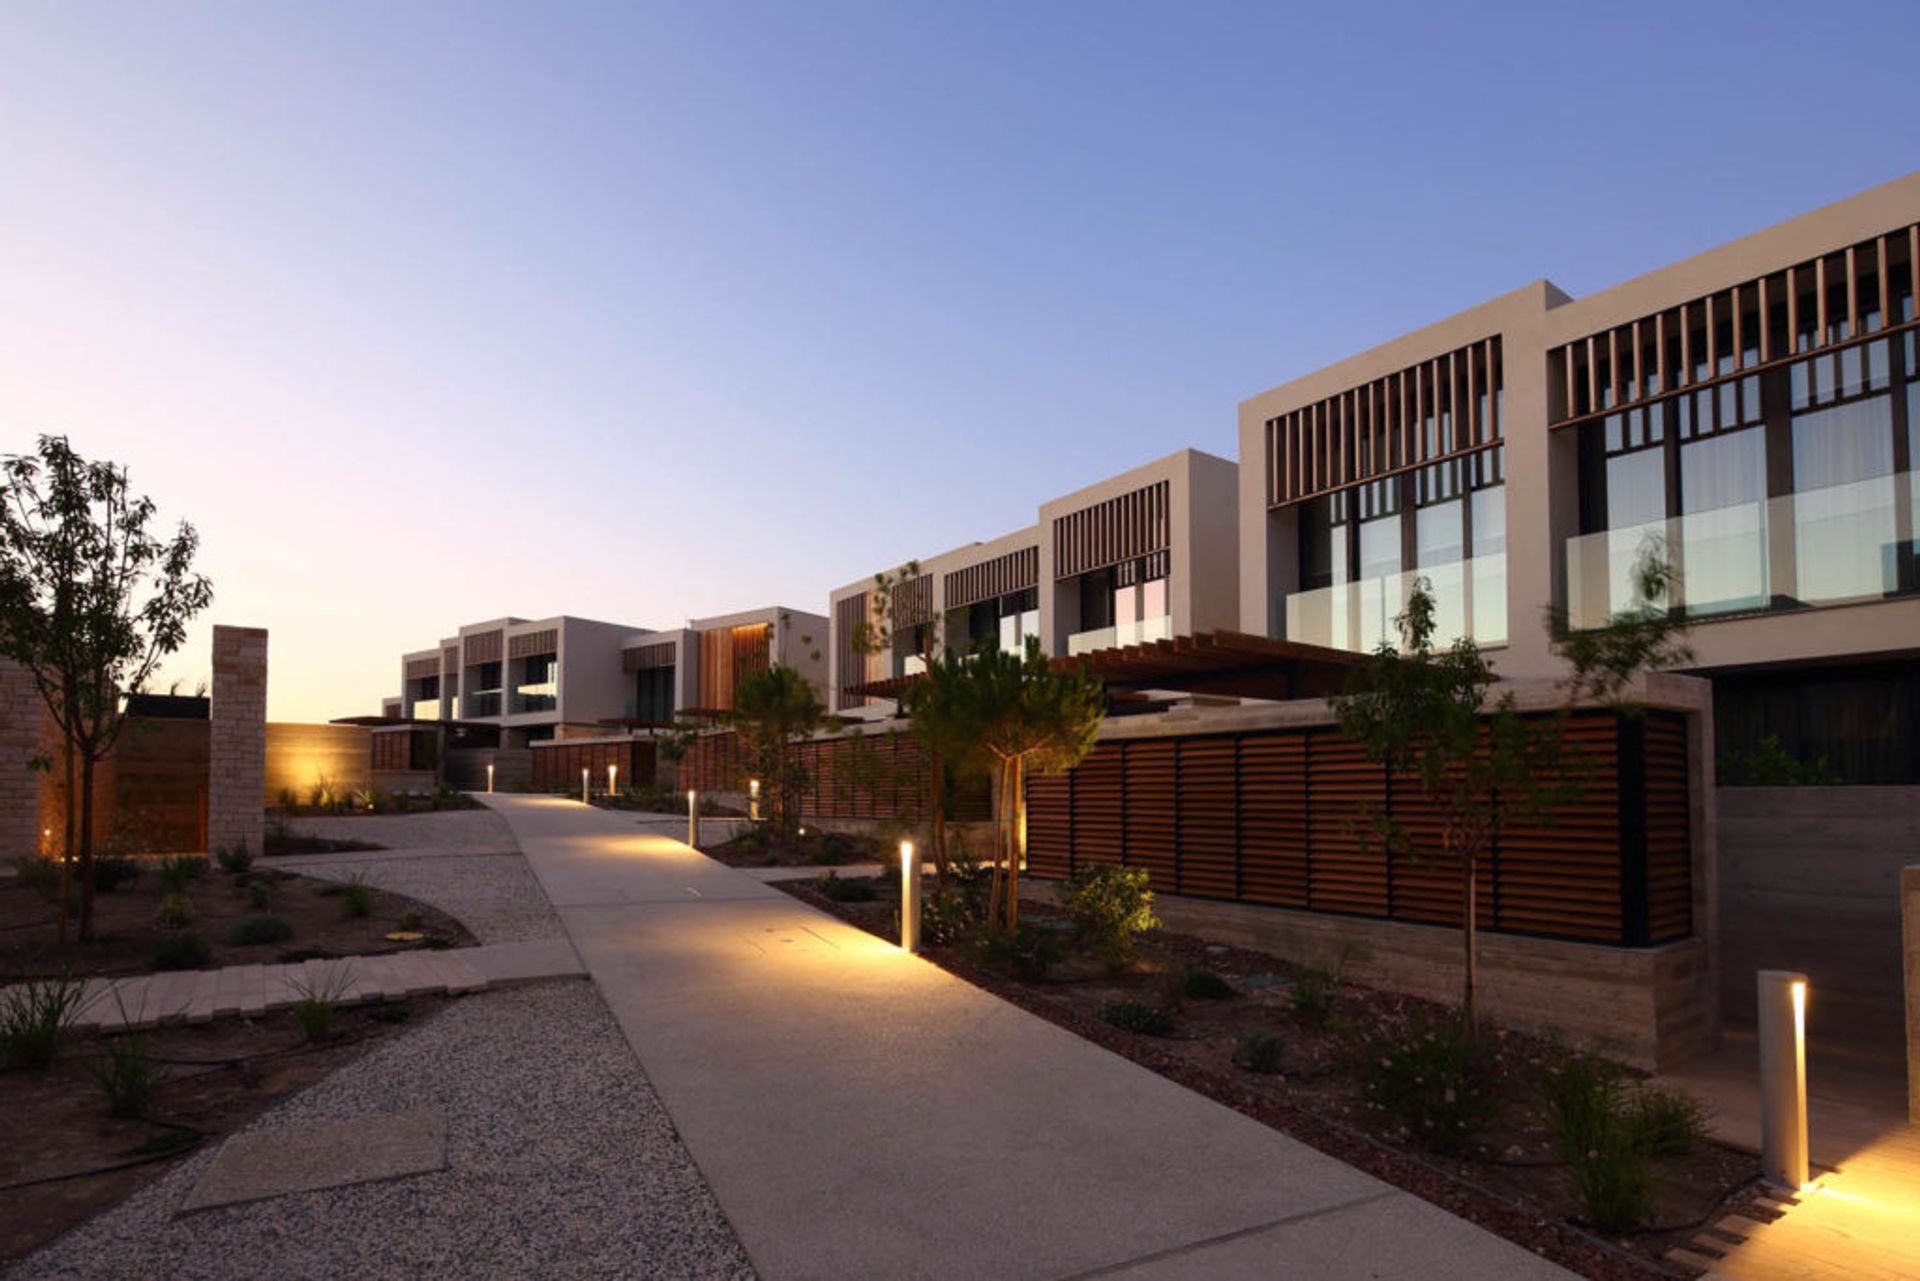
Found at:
(425, 313)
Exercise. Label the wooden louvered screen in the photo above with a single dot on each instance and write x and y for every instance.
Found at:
(483, 647)
(726, 655)
(872, 776)
(851, 619)
(912, 602)
(557, 765)
(450, 658)
(528, 644)
(1128, 527)
(420, 668)
(1002, 576)
(1281, 817)
(643, 658)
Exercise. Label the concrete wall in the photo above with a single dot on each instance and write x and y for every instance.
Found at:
(1810, 880)
(300, 756)
(237, 743)
(20, 716)
(1910, 918)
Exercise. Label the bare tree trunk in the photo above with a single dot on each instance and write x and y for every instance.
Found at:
(1016, 841)
(67, 800)
(1470, 876)
(86, 847)
(937, 800)
(999, 842)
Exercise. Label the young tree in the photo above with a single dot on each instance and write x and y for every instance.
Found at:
(772, 709)
(91, 599)
(1016, 712)
(1484, 766)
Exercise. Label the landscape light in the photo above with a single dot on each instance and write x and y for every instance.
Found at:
(585, 795)
(693, 818)
(489, 776)
(909, 898)
(1783, 1077)
(613, 772)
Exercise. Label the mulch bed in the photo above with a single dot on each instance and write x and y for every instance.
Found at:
(824, 850)
(55, 1131)
(1511, 1184)
(126, 932)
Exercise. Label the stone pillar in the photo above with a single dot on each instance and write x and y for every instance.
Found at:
(1910, 932)
(21, 713)
(237, 740)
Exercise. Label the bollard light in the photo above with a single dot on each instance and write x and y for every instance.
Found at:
(613, 772)
(693, 818)
(753, 799)
(586, 797)
(489, 776)
(1783, 1077)
(909, 898)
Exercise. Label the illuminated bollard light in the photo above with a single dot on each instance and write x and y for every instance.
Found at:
(753, 799)
(489, 777)
(693, 818)
(909, 898)
(1783, 1077)
(613, 773)
(586, 797)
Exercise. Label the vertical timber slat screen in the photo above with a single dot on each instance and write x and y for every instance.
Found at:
(1280, 817)
(873, 776)
(557, 766)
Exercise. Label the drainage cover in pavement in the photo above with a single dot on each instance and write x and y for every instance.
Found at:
(778, 941)
(270, 1163)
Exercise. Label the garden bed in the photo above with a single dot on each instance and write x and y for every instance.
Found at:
(319, 916)
(64, 1157)
(755, 848)
(1332, 1039)
(327, 802)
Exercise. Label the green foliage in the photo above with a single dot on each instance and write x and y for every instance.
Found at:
(834, 849)
(1312, 998)
(1666, 1121)
(1109, 906)
(754, 840)
(950, 915)
(411, 920)
(175, 912)
(178, 871)
(1438, 1082)
(356, 900)
(1205, 985)
(1136, 1016)
(841, 891)
(1771, 765)
(1614, 1181)
(114, 872)
(259, 895)
(1030, 951)
(126, 1074)
(317, 1011)
(185, 950)
(1607, 1134)
(772, 709)
(254, 931)
(1583, 1102)
(33, 1020)
(235, 860)
(1260, 1050)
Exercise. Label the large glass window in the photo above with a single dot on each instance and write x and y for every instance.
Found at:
(1323, 541)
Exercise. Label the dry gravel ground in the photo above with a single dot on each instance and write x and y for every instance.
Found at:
(450, 829)
(561, 1163)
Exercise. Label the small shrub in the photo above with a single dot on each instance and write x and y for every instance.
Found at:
(257, 930)
(1438, 1083)
(356, 896)
(1136, 1016)
(126, 1074)
(832, 850)
(1614, 1179)
(754, 840)
(183, 951)
(259, 895)
(289, 801)
(1583, 1104)
(114, 872)
(1260, 1051)
(411, 920)
(845, 891)
(1205, 985)
(1312, 999)
(1030, 951)
(235, 860)
(33, 1020)
(948, 917)
(175, 912)
(178, 871)
(317, 1012)
(1667, 1122)
(1109, 905)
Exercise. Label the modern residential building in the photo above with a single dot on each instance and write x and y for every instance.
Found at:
(1142, 556)
(1752, 414)
(692, 671)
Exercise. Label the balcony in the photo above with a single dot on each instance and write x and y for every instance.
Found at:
(1469, 599)
(483, 704)
(1135, 633)
(1835, 546)
(541, 697)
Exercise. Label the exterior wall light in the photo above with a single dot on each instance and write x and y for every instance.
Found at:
(909, 898)
(1783, 1077)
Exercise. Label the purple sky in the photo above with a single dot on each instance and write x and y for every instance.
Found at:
(429, 313)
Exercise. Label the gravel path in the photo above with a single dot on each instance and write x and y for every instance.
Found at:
(494, 895)
(450, 829)
(562, 1163)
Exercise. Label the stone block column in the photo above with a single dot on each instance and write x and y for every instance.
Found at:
(21, 714)
(237, 739)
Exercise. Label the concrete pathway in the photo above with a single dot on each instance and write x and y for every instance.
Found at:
(861, 1113)
(200, 996)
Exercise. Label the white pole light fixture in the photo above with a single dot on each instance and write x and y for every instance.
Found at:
(489, 776)
(693, 818)
(613, 774)
(909, 898)
(753, 799)
(586, 797)
(1783, 1077)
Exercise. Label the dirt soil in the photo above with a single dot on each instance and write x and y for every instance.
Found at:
(220, 1075)
(126, 932)
(814, 849)
(1508, 1182)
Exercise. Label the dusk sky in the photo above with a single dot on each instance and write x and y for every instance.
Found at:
(428, 313)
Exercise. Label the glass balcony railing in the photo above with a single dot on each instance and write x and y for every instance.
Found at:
(1469, 599)
(913, 665)
(484, 704)
(1846, 543)
(1135, 633)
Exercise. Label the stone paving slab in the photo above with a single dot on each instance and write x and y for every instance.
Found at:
(256, 1165)
(525, 962)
